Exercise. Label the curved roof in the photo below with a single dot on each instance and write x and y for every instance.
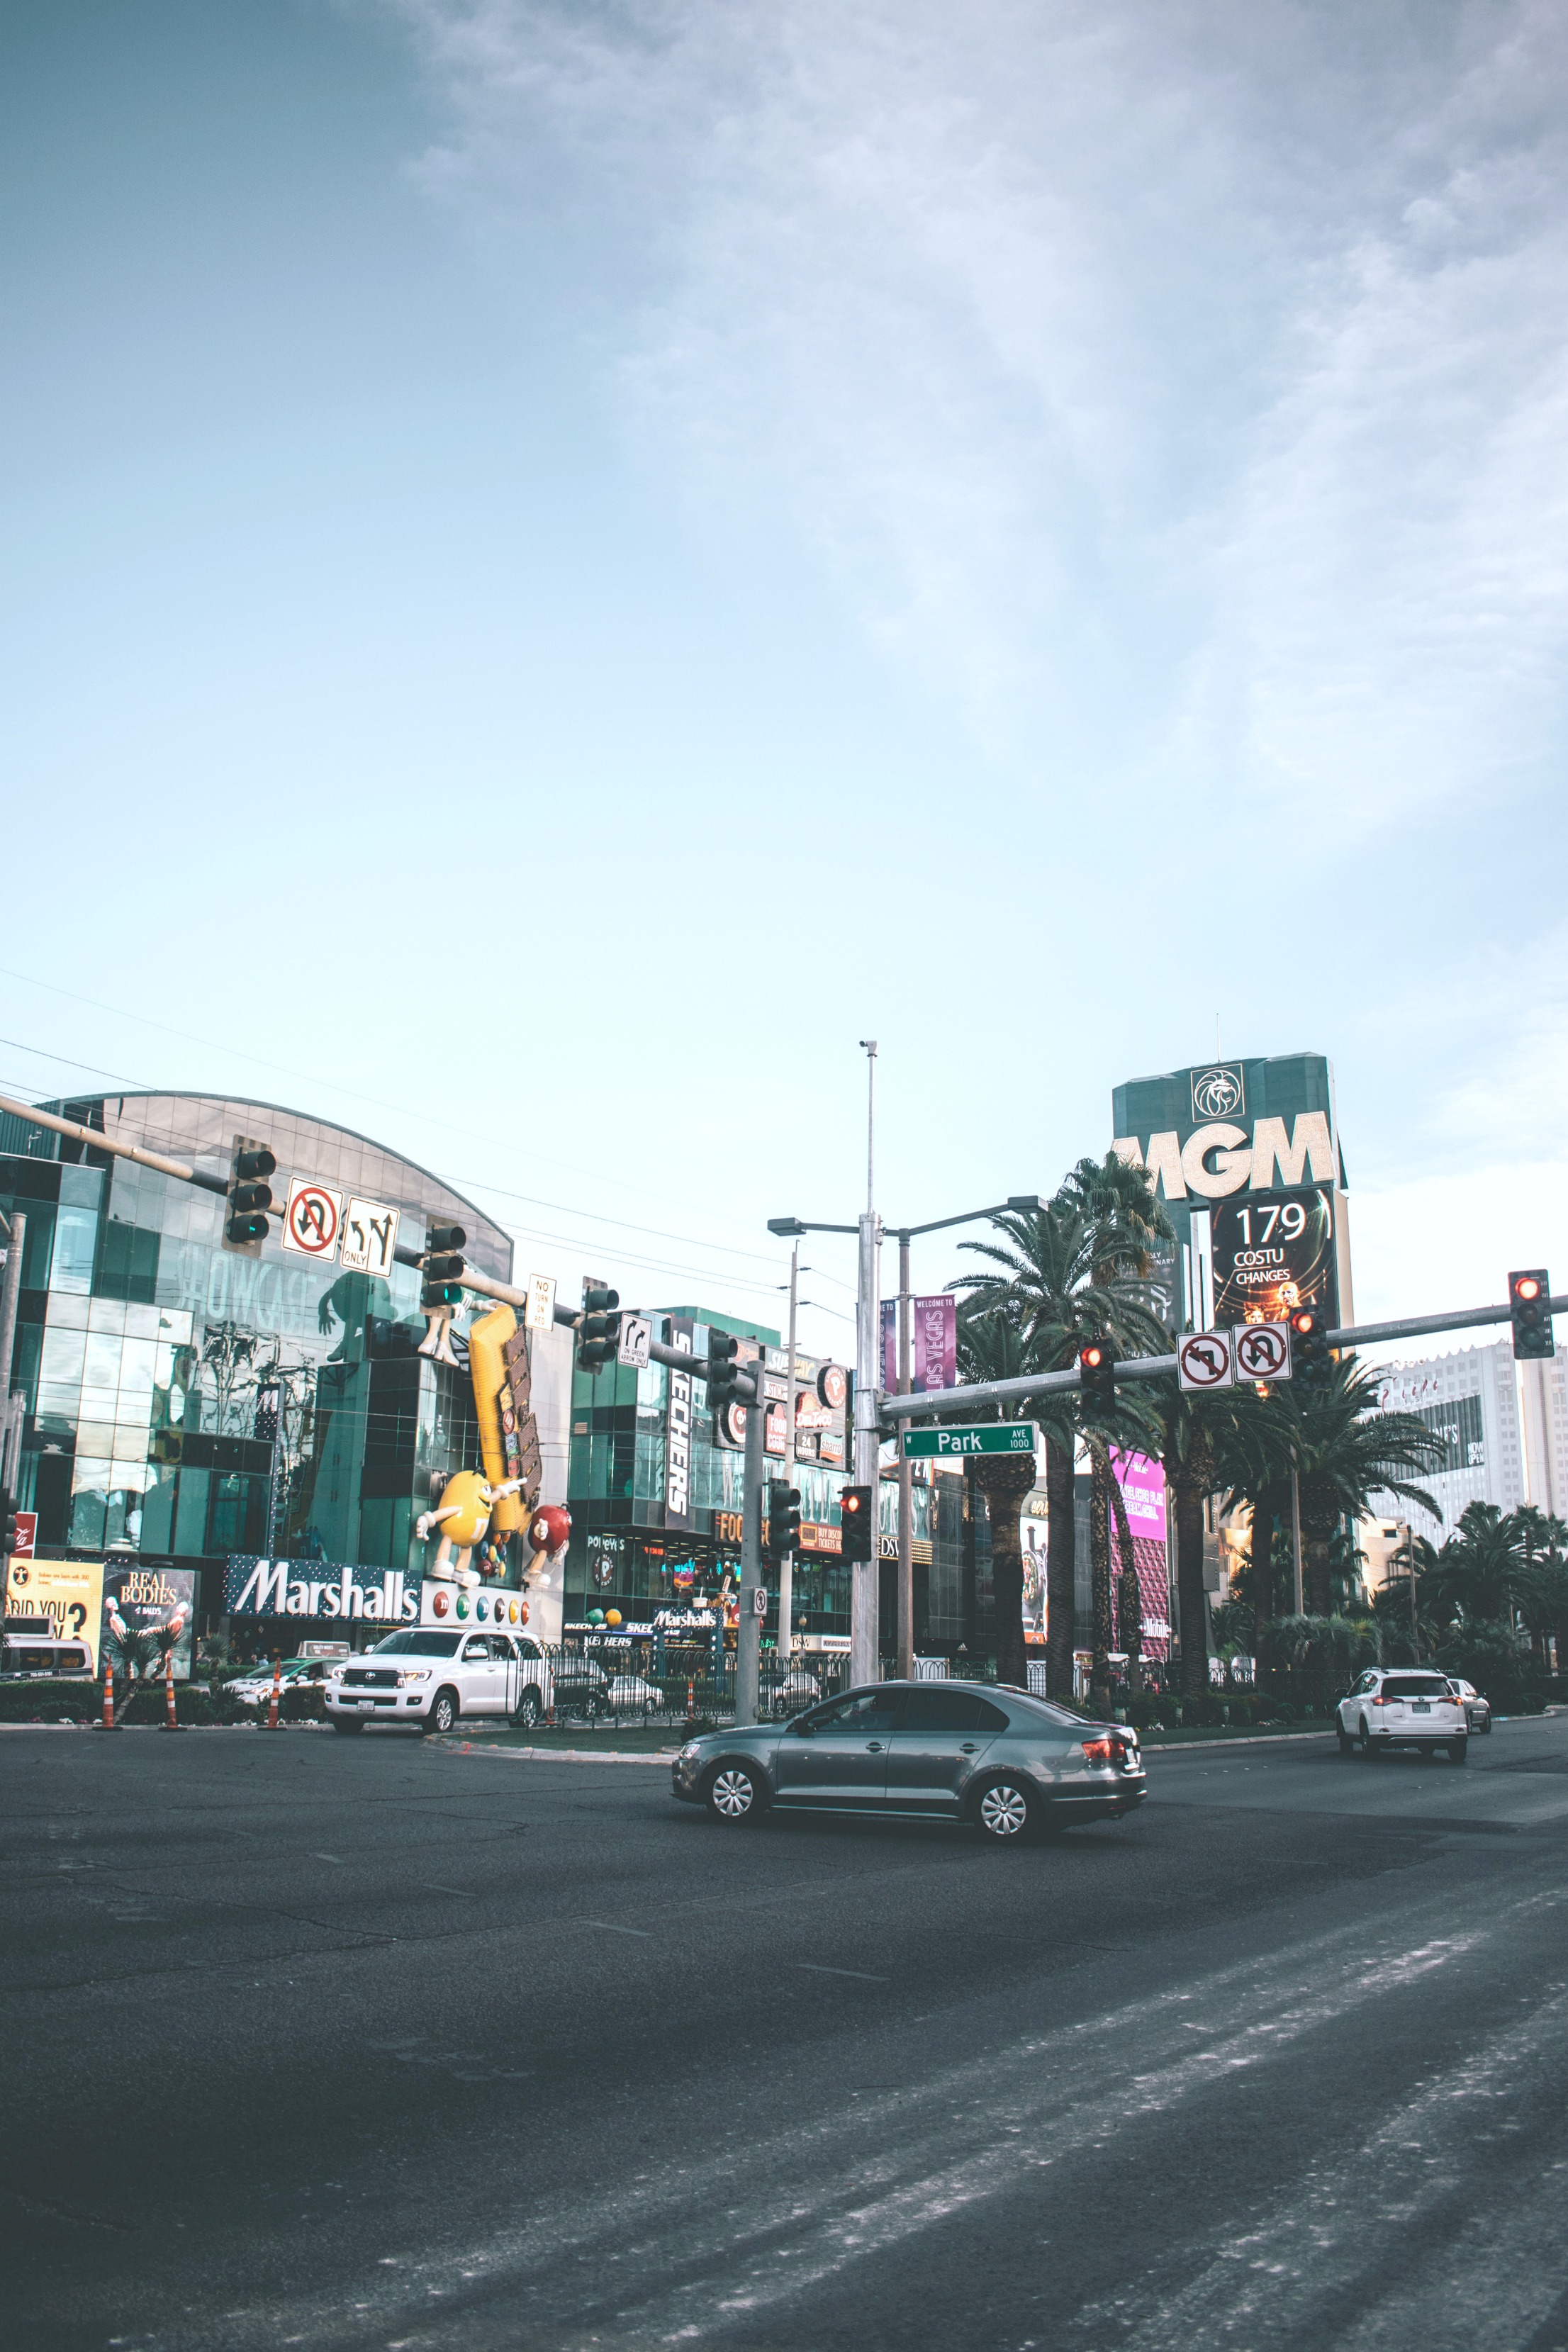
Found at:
(201, 1128)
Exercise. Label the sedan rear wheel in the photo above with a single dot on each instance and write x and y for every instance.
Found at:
(1004, 1813)
(734, 1794)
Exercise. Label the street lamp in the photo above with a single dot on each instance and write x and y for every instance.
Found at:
(863, 1598)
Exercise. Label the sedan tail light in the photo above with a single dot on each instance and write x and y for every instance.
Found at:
(1100, 1752)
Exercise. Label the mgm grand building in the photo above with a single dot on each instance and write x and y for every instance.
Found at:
(194, 1404)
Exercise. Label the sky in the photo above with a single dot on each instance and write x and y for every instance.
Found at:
(564, 564)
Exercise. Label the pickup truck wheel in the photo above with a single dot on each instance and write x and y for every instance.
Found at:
(443, 1712)
(528, 1711)
(348, 1723)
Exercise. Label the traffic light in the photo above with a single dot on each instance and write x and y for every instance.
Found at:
(598, 1326)
(1530, 1305)
(249, 1195)
(856, 1520)
(722, 1350)
(1097, 1376)
(1311, 1364)
(8, 1529)
(784, 1519)
(443, 1268)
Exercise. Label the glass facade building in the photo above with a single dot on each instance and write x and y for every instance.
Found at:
(180, 1392)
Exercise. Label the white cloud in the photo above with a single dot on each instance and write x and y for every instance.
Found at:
(1191, 379)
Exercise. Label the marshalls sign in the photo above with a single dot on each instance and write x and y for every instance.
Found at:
(318, 1587)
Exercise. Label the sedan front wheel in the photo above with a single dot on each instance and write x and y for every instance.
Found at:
(735, 1794)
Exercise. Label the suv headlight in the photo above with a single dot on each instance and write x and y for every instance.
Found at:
(414, 1675)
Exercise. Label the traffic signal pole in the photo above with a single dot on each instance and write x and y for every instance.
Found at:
(934, 1402)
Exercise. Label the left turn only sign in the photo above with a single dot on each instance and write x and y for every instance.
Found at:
(313, 1219)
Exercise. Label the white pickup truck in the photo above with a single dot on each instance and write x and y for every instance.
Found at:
(427, 1679)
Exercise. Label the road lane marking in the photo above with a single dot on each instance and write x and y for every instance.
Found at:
(613, 1928)
(815, 1969)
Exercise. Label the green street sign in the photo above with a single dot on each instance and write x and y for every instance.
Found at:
(981, 1437)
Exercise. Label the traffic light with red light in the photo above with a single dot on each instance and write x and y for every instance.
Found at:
(1311, 1363)
(1097, 1376)
(1530, 1311)
(856, 1520)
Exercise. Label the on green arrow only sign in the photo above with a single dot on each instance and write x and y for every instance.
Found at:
(980, 1437)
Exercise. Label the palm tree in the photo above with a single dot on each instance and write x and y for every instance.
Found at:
(1484, 1571)
(991, 1347)
(1069, 1273)
(1342, 1450)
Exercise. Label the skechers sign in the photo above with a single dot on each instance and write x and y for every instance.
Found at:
(318, 1587)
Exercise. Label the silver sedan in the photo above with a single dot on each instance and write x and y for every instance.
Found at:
(1003, 1762)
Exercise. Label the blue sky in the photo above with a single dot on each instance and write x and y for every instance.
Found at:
(562, 564)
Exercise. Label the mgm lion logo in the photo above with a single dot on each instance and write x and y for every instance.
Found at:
(1217, 1093)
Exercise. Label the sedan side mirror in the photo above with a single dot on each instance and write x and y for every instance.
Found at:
(801, 1730)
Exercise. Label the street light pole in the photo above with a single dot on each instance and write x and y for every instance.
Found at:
(869, 1404)
(864, 1645)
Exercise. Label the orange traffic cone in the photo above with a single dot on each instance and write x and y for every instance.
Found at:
(277, 1690)
(109, 1693)
(173, 1722)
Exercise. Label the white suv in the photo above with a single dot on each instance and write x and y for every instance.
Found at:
(426, 1678)
(1402, 1706)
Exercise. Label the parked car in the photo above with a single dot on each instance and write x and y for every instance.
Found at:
(1402, 1706)
(786, 1692)
(1000, 1761)
(1478, 1710)
(254, 1688)
(632, 1695)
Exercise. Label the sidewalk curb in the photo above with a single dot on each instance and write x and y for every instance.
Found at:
(554, 1755)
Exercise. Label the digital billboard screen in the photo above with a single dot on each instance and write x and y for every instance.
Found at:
(1273, 1252)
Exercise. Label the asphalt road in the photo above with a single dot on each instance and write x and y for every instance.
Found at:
(371, 2042)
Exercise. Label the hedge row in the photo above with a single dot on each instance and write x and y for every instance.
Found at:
(143, 1702)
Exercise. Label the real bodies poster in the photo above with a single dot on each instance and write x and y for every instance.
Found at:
(147, 1611)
